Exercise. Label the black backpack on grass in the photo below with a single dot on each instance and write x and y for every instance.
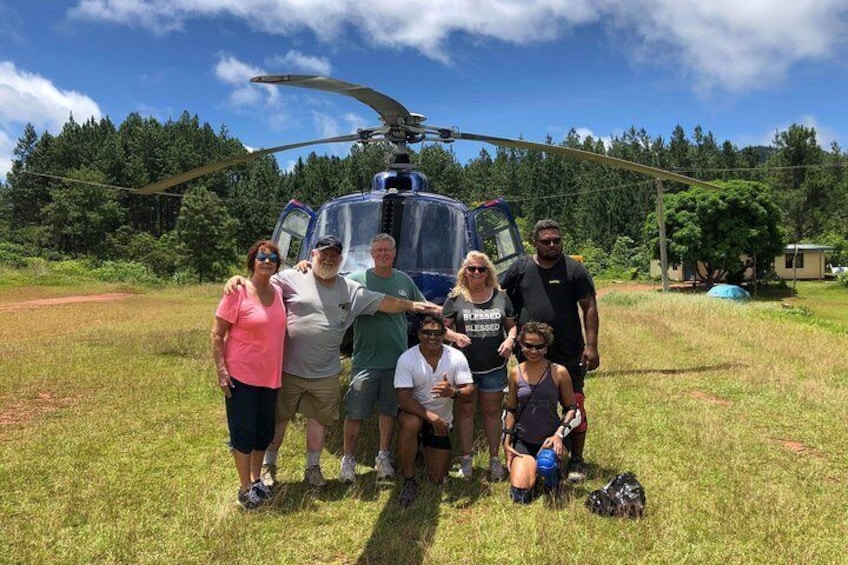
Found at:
(623, 496)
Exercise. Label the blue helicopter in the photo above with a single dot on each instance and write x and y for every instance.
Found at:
(433, 231)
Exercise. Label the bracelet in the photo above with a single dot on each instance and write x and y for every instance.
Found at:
(507, 432)
(591, 345)
(455, 394)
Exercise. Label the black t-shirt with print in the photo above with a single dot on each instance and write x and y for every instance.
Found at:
(484, 324)
(550, 296)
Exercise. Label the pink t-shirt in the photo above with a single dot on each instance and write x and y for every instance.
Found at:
(254, 347)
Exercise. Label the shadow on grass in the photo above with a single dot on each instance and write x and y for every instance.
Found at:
(404, 535)
(676, 371)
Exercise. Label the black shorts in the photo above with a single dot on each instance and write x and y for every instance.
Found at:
(428, 438)
(250, 416)
(526, 448)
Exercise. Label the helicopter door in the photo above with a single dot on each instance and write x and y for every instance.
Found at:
(295, 225)
(493, 231)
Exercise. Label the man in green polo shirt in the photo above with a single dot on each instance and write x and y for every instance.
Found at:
(378, 341)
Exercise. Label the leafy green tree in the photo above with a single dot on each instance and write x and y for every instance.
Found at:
(717, 228)
(801, 188)
(206, 234)
(80, 216)
(442, 169)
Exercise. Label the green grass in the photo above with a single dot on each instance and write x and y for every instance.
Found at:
(732, 416)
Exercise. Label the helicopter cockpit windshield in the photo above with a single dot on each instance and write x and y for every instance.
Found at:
(355, 223)
(432, 238)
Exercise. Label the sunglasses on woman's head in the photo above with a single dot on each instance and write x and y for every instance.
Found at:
(261, 257)
(474, 269)
(538, 346)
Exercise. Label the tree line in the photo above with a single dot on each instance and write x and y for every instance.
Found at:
(201, 226)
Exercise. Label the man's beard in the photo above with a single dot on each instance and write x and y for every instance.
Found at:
(326, 271)
(550, 253)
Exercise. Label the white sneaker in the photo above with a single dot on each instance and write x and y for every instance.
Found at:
(268, 474)
(383, 466)
(465, 467)
(496, 470)
(348, 473)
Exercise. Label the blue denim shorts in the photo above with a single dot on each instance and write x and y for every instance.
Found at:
(491, 381)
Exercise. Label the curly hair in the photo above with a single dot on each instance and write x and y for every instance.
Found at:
(538, 328)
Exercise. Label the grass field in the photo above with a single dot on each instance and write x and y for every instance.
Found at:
(732, 416)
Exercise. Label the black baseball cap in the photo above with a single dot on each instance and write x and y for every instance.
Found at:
(329, 242)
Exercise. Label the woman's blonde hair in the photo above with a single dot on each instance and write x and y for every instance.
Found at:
(461, 288)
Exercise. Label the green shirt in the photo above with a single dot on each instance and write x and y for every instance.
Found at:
(380, 339)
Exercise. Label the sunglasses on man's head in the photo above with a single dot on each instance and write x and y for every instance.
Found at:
(262, 257)
(539, 346)
(474, 269)
(432, 333)
(551, 241)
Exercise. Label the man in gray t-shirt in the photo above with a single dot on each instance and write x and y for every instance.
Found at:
(321, 306)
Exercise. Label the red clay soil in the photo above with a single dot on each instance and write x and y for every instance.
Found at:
(27, 304)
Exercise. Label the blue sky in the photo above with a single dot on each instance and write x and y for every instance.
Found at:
(506, 68)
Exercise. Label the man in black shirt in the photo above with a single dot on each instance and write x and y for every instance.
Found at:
(547, 287)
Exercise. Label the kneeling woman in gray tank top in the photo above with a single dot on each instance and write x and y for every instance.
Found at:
(537, 388)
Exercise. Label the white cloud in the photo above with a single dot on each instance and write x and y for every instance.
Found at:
(27, 97)
(720, 45)
(297, 61)
(825, 135)
(731, 45)
(328, 126)
(237, 74)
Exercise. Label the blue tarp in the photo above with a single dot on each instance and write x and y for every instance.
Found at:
(730, 291)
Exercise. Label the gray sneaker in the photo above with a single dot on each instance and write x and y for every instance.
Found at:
(262, 490)
(313, 477)
(576, 471)
(268, 475)
(347, 474)
(466, 468)
(408, 493)
(383, 466)
(496, 470)
(248, 499)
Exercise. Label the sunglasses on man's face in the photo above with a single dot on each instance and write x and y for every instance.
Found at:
(474, 269)
(262, 257)
(432, 333)
(551, 241)
(537, 346)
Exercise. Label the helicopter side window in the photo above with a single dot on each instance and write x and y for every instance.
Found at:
(355, 223)
(432, 238)
(493, 231)
(292, 233)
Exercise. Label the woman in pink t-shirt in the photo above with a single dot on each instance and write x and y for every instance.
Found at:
(247, 344)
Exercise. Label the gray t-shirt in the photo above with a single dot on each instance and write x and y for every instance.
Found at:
(318, 317)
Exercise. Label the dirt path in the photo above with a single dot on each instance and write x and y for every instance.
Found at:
(627, 287)
(27, 304)
(110, 296)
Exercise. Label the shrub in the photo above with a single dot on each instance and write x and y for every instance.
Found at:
(125, 271)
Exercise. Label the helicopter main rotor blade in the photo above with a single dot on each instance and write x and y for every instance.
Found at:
(170, 182)
(589, 156)
(391, 111)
